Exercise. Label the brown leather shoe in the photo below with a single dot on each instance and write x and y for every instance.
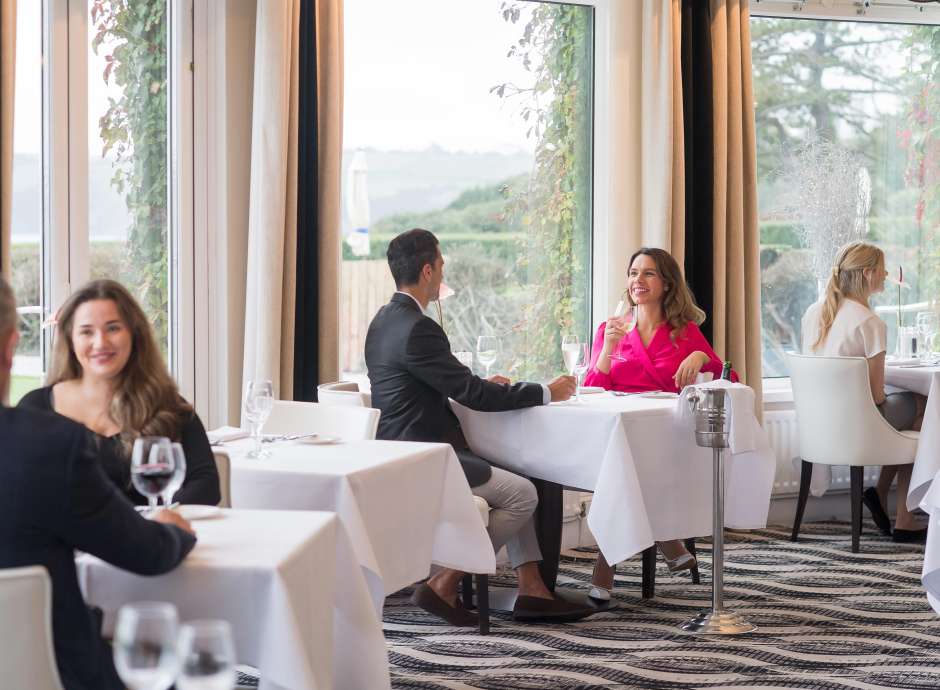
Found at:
(426, 598)
(556, 610)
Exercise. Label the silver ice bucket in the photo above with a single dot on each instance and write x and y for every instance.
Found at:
(711, 416)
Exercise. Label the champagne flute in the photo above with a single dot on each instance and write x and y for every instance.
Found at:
(487, 351)
(207, 656)
(145, 645)
(627, 313)
(580, 367)
(259, 401)
(179, 473)
(152, 466)
(570, 347)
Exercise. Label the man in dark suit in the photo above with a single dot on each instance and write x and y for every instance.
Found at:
(54, 498)
(413, 373)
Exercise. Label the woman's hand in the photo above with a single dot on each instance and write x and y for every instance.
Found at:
(689, 369)
(613, 333)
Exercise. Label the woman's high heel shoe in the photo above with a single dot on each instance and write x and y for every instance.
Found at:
(684, 561)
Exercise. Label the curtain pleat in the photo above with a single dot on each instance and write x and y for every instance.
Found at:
(698, 151)
(272, 216)
(316, 346)
(7, 78)
(736, 310)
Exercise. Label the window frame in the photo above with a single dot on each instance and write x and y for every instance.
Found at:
(778, 389)
(64, 243)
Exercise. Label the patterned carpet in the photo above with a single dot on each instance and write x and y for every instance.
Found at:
(827, 618)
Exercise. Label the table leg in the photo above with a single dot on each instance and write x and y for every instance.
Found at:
(548, 517)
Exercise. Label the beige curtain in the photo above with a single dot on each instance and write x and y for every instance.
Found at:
(272, 214)
(272, 217)
(7, 74)
(329, 171)
(661, 129)
(736, 316)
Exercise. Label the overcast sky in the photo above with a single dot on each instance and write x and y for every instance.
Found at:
(418, 72)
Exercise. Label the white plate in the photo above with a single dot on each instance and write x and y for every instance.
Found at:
(319, 440)
(659, 395)
(592, 389)
(197, 512)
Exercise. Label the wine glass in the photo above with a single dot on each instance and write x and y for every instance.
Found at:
(487, 351)
(628, 315)
(570, 348)
(152, 466)
(928, 324)
(145, 645)
(207, 656)
(259, 400)
(179, 473)
(580, 367)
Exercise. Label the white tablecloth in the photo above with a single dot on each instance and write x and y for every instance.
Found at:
(405, 505)
(288, 582)
(650, 481)
(926, 381)
(930, 575)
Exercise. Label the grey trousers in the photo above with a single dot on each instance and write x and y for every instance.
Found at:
(512, 500)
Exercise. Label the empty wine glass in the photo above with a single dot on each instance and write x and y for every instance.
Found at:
(179, 473)
(145, 645)
(580, 368)
(465, 357)
(487, 351)
(207, 656)
(259, 400)
(152, 466)
(928, 323)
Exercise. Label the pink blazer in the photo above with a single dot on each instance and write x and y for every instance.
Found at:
(650, 368)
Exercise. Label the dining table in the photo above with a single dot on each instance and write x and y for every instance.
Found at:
(925, 380)
(637, 454)
(289, 583)
(405, 505)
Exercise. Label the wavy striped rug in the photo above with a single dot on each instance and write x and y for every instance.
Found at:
(827, 618)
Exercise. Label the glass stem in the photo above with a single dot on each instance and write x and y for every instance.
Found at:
(256, 438)
(152, 501)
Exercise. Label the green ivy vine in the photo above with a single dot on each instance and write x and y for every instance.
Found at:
(134, 132)
(556, 46)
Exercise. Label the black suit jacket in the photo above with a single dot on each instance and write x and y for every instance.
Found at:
(54, 498)
(413, 373)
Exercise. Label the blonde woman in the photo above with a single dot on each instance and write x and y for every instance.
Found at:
(843, 324)
(107, 374)
(662, 350)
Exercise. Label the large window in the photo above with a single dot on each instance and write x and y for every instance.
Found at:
(472, 119)
(92, 152)
(848, 146)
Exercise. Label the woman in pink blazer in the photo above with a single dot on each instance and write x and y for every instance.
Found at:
(655, 346)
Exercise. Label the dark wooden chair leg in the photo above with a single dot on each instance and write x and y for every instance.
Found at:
(548, 517)
(466, 591)
(857, 477)
(690, 545)
(483, 603)
(649, 572)
(806, 474)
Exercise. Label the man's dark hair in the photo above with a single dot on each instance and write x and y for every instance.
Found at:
(408, 253)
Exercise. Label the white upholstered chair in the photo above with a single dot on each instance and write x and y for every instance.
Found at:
(224, 466)
(27, 657)
(839, 424)
(349, 423)
(344, 393)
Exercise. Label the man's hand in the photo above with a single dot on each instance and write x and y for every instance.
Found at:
(562, 388)
(171, 517)
(496, 378)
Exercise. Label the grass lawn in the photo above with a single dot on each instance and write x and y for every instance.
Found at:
(21, 385)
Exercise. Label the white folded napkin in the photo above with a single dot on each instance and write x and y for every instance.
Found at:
(742, 434)
(226, 433)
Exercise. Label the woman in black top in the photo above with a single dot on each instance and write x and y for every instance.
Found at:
(107, 373)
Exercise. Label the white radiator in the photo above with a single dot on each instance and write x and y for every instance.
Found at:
(781, 429)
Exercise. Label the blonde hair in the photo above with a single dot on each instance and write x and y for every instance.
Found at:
(7, 310)
(848, 281)
(679, 305)
(146, 401)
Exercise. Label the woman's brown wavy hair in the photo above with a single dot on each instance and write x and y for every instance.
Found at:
(146, 401)
(679, 304)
